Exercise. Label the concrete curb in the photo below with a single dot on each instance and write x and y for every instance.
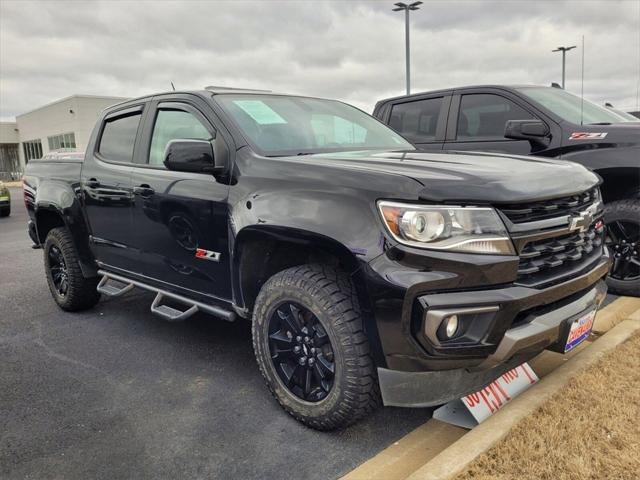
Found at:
(458, 456)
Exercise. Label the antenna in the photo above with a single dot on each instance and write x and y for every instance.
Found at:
(582, 87)
(172, 86)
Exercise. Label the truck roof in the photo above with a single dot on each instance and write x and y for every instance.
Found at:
(464, 87)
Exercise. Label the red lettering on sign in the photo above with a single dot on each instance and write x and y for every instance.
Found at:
(472, 400)
(524, 369)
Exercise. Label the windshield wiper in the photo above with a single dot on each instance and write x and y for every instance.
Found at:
(599, 123)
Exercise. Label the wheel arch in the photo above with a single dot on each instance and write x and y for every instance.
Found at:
(619, 183)
(49, 217)
(259, 252)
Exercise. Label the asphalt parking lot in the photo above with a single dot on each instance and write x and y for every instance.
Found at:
(115, 392)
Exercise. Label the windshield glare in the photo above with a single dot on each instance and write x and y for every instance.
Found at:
(282, 125)
(571, 108)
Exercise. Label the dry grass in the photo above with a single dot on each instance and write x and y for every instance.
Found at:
(590, 430)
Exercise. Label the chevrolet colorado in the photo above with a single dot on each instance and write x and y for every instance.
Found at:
(541, 121)
(370, 271)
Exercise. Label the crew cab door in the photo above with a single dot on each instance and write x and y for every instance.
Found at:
(421, 120)
(180, 218)
(107, 194)
(477, 122)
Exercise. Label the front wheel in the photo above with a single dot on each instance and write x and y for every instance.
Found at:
(5, 212)
(310, 346)
(623, 240)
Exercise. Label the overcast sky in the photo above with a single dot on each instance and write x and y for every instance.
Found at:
(350, 50)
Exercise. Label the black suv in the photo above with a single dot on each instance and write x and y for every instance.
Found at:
(369, 271)
(544, 121)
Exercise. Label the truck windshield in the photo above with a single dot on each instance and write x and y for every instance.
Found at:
(570, 108)
(284, 125)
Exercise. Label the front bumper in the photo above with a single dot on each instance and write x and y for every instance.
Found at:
(520, 343)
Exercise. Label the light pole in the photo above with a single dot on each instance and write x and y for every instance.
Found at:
(407, 7)
(564, 51)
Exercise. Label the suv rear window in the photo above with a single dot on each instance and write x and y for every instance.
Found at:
(119, 137)
(416, 120)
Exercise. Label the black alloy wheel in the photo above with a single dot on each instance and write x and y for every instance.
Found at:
(58, 270)
(70, 289)
(623, 241)
(310, 345)
(301, 352)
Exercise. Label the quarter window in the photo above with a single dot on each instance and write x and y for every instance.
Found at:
(483, 116)
(417, 120)
(119, 137)
(174, 125)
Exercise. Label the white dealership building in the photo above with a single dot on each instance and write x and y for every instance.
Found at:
(63, 124)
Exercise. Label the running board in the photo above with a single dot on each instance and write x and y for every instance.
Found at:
(112, 290)
(164, 311)
(168, 313)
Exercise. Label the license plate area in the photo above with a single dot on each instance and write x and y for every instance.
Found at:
(579, 330)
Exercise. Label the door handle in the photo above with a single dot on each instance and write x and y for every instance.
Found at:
(92, 183)
(143, 190)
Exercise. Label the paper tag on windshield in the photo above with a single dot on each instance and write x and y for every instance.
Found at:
(260, 112)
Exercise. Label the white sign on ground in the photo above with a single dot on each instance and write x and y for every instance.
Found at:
(471, 410)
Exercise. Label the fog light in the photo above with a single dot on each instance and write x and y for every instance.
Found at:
(451, 325)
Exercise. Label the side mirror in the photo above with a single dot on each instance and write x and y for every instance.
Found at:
(190, 156)
(533, 130)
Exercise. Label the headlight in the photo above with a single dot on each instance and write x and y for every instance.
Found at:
(457, 229)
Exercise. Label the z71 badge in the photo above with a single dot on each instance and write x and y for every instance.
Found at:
(207, 254)
(587, 135)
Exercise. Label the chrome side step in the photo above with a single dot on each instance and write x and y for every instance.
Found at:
(164, 311)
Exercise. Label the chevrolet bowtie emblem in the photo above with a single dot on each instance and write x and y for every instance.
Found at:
(583, 220)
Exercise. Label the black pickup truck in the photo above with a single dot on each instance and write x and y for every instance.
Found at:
(370, 271)
(541, 121)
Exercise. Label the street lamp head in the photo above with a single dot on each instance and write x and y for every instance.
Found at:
(563, 49)
(403, 6)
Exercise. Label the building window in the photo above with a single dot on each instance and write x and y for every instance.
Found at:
(64, 140)
(32, 149)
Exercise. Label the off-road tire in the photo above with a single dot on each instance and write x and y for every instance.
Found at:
(330, 295)
(81, 293)
(627, 210)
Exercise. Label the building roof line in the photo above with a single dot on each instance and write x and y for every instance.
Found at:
(69, 98)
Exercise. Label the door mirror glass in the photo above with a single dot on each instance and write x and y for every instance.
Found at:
(526, 130)
(185, 155)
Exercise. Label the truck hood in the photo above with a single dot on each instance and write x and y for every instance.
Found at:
(454, 177)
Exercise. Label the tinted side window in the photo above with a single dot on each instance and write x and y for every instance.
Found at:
(483, 116)
(174, 125)
(119, 137)
(417, 120)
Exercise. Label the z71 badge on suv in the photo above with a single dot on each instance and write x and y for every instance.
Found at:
(370, 271)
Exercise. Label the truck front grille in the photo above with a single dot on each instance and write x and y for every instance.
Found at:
(528, 212)
(554, 259)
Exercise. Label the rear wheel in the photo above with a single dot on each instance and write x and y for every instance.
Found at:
(311, 348)
(69, 288)
(623, 240)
